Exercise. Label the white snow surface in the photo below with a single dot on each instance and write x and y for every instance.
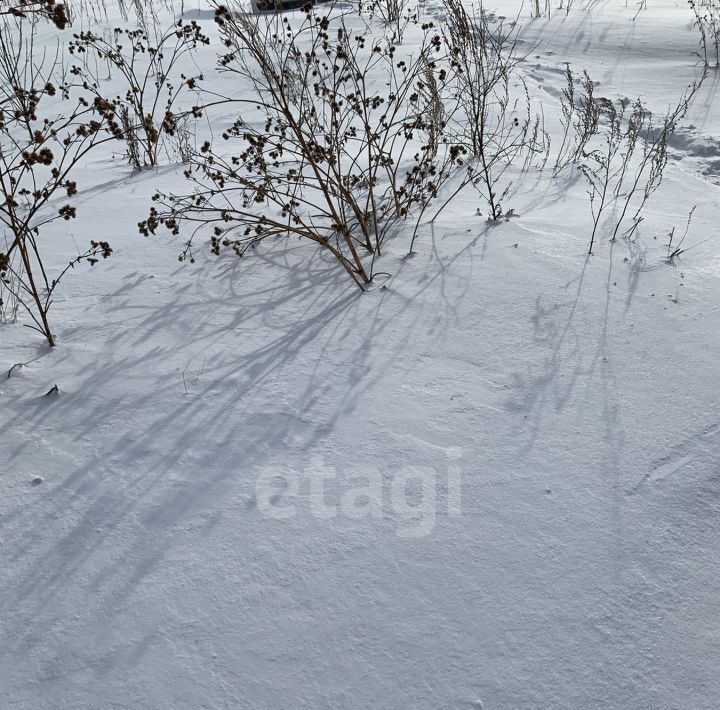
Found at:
(574, 400)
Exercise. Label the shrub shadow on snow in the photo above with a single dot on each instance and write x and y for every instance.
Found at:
(181, 388)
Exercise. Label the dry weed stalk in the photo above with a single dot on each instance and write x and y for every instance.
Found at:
(625, 163)
(495, 128)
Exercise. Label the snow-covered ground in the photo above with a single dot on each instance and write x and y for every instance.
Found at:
(536, 435)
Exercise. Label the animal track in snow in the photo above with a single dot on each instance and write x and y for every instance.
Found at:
(697, 152)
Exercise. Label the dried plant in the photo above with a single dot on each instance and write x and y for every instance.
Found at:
(580, 118)
(38, 156)
(536, 12)
(9, 288)
(495, 127)
(146, 60)
(55, 12)
(318, 153)
(675, 247)
(183, 138)
(394, 14)
(625, 165)
(707, 20)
